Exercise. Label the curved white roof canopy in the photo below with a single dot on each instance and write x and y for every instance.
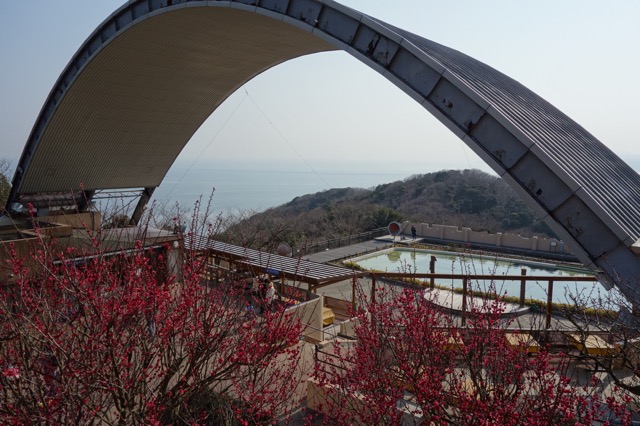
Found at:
(147, 78)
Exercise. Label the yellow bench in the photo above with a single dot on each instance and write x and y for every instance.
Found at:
(524, 341)
(454, 342)
(327, 316)
(593, 345)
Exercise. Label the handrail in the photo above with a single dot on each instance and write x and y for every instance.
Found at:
(333, 243)
(466, 278)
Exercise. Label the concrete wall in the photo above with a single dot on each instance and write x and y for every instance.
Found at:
(338, 306)
(23, 239)
(467, 235)
(85, 220)
(310, 313)
(318, 395)
(23, 248)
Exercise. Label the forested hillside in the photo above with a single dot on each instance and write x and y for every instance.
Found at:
(468, 198)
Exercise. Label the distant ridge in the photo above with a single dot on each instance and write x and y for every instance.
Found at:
(469, 198)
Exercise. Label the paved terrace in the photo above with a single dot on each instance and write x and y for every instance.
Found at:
(348, 251)
(353, 250)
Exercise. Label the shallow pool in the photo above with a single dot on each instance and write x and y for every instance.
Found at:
(417, 261)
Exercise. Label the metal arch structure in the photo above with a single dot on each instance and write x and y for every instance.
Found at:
(152, 72)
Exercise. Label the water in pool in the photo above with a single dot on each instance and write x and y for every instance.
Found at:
(414, 260)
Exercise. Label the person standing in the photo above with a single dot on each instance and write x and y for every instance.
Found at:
(414, 232)
(269, 295)
(250, 310)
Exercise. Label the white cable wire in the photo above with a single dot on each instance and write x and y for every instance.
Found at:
(208, 145)
(285, 139)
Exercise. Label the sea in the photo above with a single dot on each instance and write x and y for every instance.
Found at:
(252, 187)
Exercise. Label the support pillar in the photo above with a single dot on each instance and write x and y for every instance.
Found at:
(142, 203)
(523, 286)
(83, 203)
(354, 305)
(373, 288)
(549, 303)
(465, 286)
(432, 270)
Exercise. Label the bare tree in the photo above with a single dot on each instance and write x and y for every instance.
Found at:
(410, 357)
(5, 182)
(608, 334)
(138, 338)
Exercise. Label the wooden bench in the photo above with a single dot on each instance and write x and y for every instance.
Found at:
(327, 316)
(595, 348)
(523, 342)
(592, 345)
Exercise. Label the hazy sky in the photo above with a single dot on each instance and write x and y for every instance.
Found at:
(580, 55)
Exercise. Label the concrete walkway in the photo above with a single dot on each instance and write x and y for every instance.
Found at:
(453, 302)
(347, 251)
(400, 239)
(364, 247)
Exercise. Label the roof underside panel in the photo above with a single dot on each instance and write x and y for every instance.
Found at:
(134, 106)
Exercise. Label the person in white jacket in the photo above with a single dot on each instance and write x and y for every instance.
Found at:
(269, 295)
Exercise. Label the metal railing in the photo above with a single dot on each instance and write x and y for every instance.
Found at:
(335, 243)
(414, 278)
